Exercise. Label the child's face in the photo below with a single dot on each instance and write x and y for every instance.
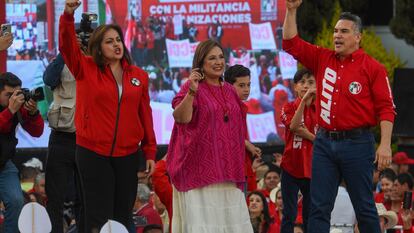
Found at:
(242, 86)
(307, 82)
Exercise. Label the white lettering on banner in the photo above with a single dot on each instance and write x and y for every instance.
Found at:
(219, 7)
(160, 9)
(261, 36)
(288, 65)
(297, 142)
(224, 19)
(206, 13)
(179, 9)
(179, 53)
(260, 126)
(328, 84)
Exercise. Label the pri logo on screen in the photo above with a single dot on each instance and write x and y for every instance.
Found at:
(355, 88)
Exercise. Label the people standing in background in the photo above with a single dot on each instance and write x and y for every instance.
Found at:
(61, 171)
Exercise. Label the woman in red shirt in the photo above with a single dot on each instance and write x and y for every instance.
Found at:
(113, 120)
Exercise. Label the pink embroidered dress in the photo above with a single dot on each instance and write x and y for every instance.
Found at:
(208, 150)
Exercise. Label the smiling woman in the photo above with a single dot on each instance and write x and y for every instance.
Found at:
(206, 151)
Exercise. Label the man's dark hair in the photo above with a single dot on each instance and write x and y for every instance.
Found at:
(9, 79)
(150, 227)
(273, 168)
(405, 178)
(234, 72)
(301, 74)
(354, 18)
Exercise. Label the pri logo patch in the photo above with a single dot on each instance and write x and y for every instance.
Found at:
(355, 88)
(135, 82)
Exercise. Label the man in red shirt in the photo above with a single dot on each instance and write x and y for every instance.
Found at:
(353, 94)
(299, 118)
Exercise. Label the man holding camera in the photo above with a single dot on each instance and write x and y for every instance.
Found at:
(15, 108)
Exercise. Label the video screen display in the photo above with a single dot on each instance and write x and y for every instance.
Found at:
(161, 36)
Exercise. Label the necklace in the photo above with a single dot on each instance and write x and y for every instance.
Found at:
(223, 106)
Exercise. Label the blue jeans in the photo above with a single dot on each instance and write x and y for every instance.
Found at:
(351, 160)
(290, 188)
(12, 196)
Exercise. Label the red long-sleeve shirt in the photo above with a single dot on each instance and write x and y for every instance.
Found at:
(106, 123)
(162, 185)
(297, 157)
(32, 124)
(351, 93)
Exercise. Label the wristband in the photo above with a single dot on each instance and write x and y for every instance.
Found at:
(192, 92)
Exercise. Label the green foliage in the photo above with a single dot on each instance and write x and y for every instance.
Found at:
(310, 17)
(371, 43)
(402, 25)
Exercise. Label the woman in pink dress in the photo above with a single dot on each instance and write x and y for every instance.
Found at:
(206, 152)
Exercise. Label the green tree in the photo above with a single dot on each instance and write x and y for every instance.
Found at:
(402, 25)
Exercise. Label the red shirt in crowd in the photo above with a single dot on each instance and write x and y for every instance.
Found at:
(150, 38)
(149, 215)
(351, 93)
(141, 39)
(250, 174)
(162, 185)
(297, 157)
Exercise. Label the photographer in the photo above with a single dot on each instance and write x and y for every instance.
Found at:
(15, 107)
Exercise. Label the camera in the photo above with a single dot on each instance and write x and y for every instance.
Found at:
(85, 30)
(35, 94)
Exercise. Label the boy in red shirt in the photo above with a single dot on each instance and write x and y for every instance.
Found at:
(299, 118)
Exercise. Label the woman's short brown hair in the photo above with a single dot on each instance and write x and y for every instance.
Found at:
(94, 45)
(202, 50)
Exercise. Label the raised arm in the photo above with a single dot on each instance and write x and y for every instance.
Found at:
(296, 125)
(68, 45)
(290, 29)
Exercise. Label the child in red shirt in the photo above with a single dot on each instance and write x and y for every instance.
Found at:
(299, 118)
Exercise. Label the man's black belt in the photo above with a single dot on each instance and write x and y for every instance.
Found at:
(345, 134)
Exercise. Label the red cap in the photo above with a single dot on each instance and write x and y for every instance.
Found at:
(402, 158)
